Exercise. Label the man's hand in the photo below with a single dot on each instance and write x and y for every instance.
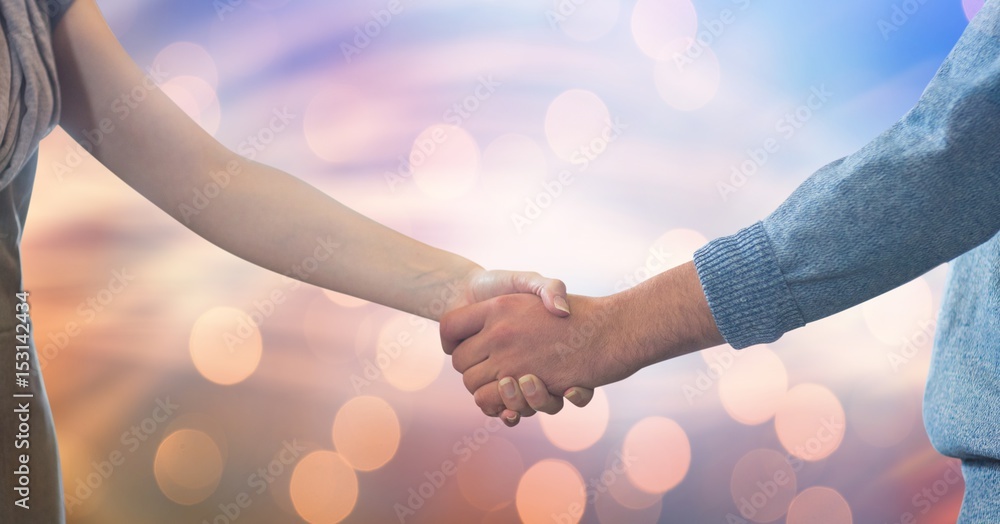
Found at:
(605, 340)
(511, 336)
(483, 285)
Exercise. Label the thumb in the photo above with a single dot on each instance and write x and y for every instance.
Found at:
(552, 291)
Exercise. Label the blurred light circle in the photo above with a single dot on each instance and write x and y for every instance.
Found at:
(971, 7)
(489, 476)
(657, 23)
(620, 487)
(187, 59)
(188, 466)
(689, 81)
(810, 422)
(445, 161)
(197, 99)
(752, 386)
(551, 490)
(901, 315)
(585, 21)
(366, 432)
(329, 331)
(627, 494)
(343, 300)
(883, 413)
(763, 485)
(505, 515)
(408, 352)
(514, 168)
(819, 505)
(225, 345)
(609, 511)
(341, 124)
(576, 429)
(324, 488)
(658, 454)
(576, 123)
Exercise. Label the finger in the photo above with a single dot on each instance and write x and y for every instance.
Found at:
(488, 399)
(538, 397)
(579, 396)
(468, 354)
(478, 376)
(461, 324)
(552, 291)
(512, 397)
(510, 418)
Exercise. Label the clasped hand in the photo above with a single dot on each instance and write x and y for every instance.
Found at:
(513, 336)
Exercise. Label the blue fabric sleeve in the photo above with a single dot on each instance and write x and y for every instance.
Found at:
(922, 193)
(55, 9)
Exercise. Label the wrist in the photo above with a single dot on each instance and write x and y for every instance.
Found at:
(448, 288)
(668, 316)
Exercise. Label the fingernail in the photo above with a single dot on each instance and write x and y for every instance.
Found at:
(573, 395)
(507, 387)
(512, 420)
(561, 304)
(527, 385)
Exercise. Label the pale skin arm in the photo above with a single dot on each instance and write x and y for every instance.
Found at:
(263, 215)
(665, 317)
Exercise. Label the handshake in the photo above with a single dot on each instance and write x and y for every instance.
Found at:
(521, 353)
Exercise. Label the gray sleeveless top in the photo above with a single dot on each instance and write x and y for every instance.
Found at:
(29, 109)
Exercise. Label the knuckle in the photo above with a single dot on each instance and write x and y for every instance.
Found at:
(469, 383)
(503, 301)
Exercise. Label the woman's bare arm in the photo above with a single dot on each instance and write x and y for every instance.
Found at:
(261, 214)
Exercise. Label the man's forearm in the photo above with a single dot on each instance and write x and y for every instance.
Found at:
(665, 317)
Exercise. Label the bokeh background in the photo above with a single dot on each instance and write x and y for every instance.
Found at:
(190, 386)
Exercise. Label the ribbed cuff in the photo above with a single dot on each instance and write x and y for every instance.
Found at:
(748, 295)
